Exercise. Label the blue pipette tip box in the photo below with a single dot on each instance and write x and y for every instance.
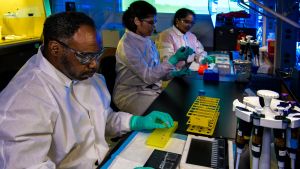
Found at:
(210, 75)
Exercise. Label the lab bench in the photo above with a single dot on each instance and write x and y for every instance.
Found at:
(179, 95)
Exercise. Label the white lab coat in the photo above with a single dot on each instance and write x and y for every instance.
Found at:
(48, 121)
(139, 73)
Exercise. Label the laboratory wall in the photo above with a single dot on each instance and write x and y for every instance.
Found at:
(107, 15)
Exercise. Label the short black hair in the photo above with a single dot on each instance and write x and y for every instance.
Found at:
(182, 13)
(63, 25)
(139, 9)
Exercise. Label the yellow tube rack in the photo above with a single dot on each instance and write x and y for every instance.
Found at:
(203, 115)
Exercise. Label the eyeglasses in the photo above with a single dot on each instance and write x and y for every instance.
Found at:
(83, 57)
(150, 22)
(187, 21)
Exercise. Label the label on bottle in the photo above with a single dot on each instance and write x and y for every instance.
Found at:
(281, 153)
(255, 148)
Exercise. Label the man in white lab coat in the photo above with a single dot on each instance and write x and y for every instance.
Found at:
(55, 113)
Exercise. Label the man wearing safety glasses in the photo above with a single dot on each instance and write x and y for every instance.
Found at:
(56, 113)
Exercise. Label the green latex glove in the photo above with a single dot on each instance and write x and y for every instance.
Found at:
(182, 72)
(155, 119)
(181, 54)
(208, 60)
(143, 168)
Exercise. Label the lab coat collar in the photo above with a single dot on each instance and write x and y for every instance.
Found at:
(177, 31)
(137, 36)
(49, 69)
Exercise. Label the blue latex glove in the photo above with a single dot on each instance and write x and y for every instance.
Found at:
(181, 54)
(182, 72)
(155, 119)
(143, 168)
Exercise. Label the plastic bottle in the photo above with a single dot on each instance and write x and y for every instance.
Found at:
(257, 134)
(271, 47)
(292, 145)
(243, 133)
(280, 146)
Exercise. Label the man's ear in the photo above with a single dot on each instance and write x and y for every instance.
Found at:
(54, 48)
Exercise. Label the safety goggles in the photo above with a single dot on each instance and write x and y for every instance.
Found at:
(151, 21)
(187, 22)
(83, 57)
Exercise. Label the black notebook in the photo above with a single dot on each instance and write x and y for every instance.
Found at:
(163, 160)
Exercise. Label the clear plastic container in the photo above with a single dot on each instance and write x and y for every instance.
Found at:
(242, 69)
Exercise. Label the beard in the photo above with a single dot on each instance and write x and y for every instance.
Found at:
(75, 71)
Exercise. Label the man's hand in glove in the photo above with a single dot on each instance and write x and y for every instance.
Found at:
(155, 119)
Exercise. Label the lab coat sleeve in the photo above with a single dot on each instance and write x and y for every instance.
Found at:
(136, 62)
(26, 124)
(165, 46)
(117, 123)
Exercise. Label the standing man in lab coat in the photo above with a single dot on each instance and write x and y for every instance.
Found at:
(55, 113)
